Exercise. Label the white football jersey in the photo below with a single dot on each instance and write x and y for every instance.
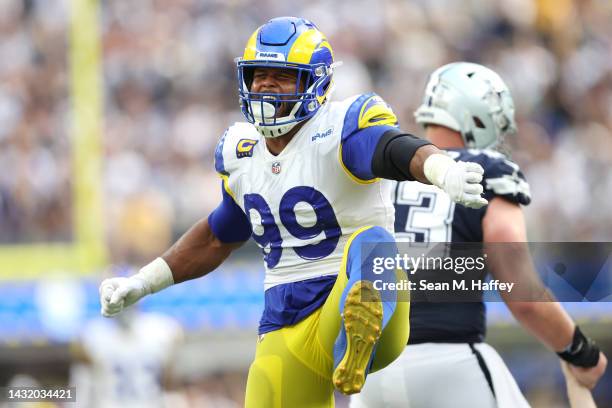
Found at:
(127, 362)
(304, 204)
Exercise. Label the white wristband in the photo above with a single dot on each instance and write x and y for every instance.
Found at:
(435, 168)
(157, 275)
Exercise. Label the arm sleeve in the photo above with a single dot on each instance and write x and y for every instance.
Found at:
(358, 150)
(381, 151)
(393, 154)
(228, 222)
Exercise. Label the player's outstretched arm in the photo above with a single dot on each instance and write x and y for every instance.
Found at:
(534, 307)
(400, 156)
(373, 146)
(195, 254)
(460, 180)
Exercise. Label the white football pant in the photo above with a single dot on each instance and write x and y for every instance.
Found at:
(442, 375)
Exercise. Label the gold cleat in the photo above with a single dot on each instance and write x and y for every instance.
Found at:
(362, 323)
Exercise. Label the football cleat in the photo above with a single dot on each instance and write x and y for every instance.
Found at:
(363, 320)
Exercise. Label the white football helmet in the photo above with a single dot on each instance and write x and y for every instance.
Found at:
(470, 99)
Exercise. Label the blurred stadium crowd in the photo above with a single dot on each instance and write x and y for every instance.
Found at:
(170, 90)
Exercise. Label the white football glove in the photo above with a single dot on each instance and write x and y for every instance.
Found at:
(118, 293)
(460, 180)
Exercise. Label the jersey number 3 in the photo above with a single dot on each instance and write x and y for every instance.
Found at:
(423, 213)
(270, 239)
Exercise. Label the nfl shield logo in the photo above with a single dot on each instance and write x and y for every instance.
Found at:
(276, 167)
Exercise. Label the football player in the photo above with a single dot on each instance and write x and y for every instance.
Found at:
(126, 362)
(468, 110)
(309, 180)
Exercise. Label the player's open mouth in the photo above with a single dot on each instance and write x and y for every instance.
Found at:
(274, 100)
(270, 107)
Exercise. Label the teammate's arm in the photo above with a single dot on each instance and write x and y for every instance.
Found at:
(545, 318)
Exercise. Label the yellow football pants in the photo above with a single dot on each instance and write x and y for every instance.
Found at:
(293, 366)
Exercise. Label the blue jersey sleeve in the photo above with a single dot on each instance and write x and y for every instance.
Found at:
(367, 119)
(228, 222)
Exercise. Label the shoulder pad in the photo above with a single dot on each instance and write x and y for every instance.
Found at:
(365, 111)
(238, 142)
(502, 177)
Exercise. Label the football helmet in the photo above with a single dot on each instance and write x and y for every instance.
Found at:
(288, 43)
(472, 100)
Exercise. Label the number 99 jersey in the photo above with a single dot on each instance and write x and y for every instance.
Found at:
(301, 205)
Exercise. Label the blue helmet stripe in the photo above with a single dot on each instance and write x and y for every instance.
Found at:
(279, 34)
(321, 55)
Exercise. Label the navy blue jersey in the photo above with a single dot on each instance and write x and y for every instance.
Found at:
(424, 213)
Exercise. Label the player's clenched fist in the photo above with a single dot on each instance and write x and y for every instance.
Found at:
(460, 180)
(118, 293)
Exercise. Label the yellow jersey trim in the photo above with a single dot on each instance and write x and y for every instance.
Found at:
(379, 110)
(351, 175)
(226, 186)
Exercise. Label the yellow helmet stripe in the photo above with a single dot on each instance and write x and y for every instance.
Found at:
(303, 47)
(250, 51)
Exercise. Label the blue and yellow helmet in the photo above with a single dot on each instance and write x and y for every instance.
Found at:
(288, 43)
